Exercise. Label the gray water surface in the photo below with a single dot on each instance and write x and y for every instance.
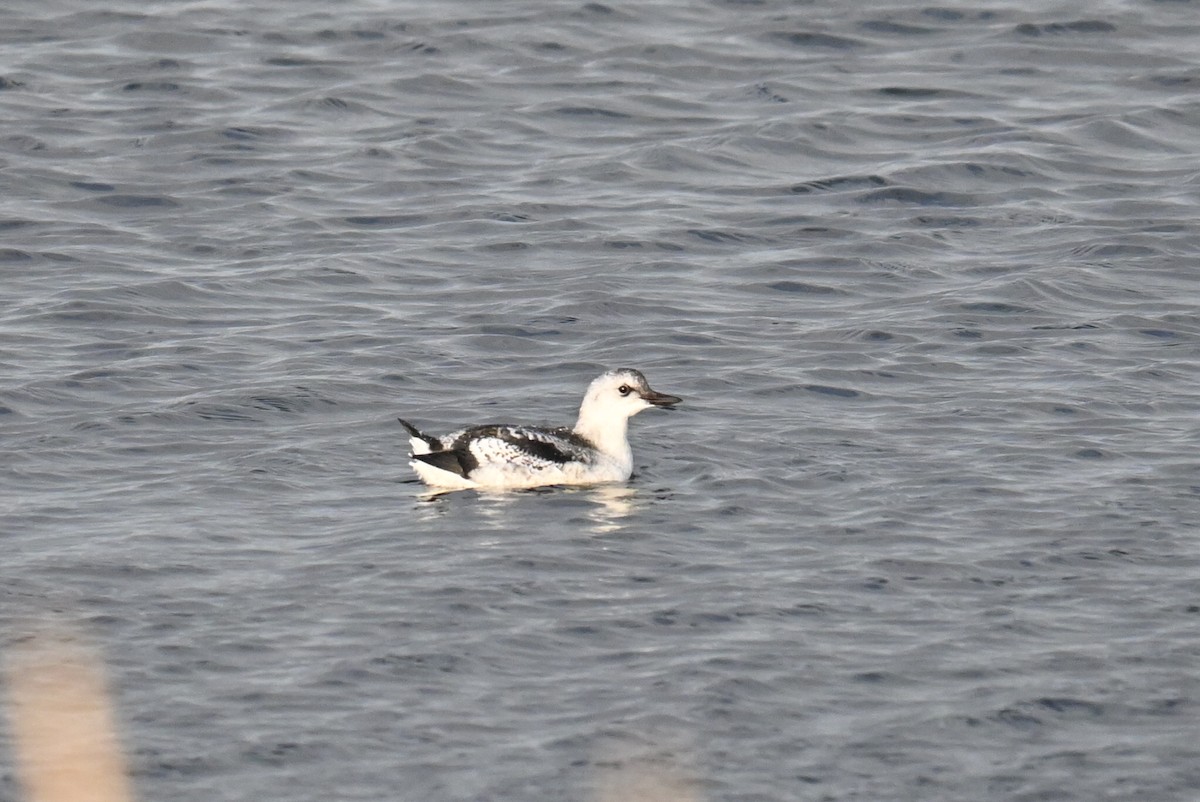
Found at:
(924, 528)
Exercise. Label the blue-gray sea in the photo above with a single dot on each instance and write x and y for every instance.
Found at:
(925, 527)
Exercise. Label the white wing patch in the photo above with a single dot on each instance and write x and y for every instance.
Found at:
(525, 449)
(510, 457)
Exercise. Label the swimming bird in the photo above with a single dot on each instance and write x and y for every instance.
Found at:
(505, 456)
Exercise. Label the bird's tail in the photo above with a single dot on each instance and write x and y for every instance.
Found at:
(421, 443)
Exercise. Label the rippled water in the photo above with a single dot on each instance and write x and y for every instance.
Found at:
(925, 275)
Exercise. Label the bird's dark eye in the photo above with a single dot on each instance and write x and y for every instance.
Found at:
(624, 389)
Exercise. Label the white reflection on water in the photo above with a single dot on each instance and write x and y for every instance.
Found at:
(613, 505)
(610, 506)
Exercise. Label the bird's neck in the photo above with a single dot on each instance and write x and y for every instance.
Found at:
(607, 434)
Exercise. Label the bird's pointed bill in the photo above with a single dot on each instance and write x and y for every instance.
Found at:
(661, 399)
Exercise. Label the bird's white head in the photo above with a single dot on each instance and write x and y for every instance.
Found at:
(611, 399)
(622, 393)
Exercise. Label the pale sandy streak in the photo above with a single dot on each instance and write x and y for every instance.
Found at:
(643, 782)
(62, 723)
